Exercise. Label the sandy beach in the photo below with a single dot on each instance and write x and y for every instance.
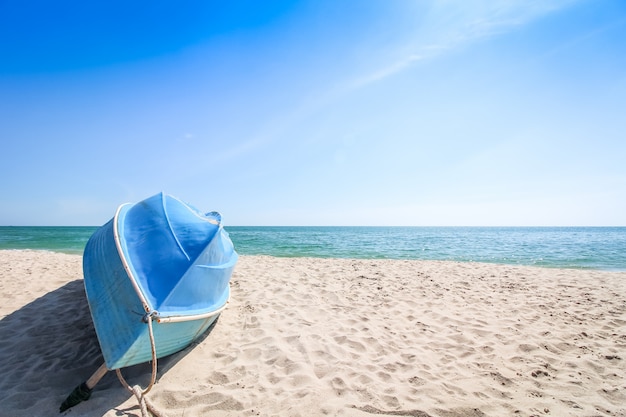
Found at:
(337, 337)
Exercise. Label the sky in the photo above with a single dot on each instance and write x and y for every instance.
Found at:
(321, 112)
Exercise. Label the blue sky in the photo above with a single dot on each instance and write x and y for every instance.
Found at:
(325, 112)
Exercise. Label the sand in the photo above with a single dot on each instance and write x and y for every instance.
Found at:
(314, 337)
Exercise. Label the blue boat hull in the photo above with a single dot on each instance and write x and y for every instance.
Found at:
(121, 289)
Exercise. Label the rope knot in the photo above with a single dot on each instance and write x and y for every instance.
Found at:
(144, 404)
(141, 400)
(152, 314)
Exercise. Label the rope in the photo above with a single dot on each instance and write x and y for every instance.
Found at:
(145, 405)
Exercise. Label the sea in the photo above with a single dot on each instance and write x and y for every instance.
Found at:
(600, 248)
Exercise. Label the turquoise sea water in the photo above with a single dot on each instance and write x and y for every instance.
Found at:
(563, 247)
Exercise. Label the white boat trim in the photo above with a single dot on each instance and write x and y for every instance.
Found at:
(179, 319)
(120, 252)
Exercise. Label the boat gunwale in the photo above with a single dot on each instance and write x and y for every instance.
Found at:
(202, 316)
(127, 267)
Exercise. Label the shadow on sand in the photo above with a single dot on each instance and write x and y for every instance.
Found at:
(49, 346)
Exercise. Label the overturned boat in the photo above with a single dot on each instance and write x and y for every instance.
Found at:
(162, 262)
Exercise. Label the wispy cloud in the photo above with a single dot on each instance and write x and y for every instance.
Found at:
(451, 25)
(384, 72)
(448, 26)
